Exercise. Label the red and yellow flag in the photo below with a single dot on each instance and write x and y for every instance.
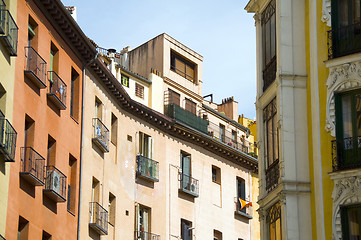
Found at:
(244, 203)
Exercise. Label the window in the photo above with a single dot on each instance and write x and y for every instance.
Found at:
(216, 174)
(74, 94)
(139, 91)
(23, 229)
(217, 235)
(183, 67)
(98, 109)
(174, 97)
(112, 209)
(71, 203)
(241, 193)
(234, 136)
(346, 27)
(124, 80)
(114, 129)
(46, 236)
(54, 58)
(145, 145)
(95, 190)
(268, 22)
(222, 132)
(351, 222)
(51, 153)
(186, 230)
(271, 132)
(273, 221)
(186, 164)
(29, 132)
(143, 221)
(348, 129)
(190, 106)
(32, 33)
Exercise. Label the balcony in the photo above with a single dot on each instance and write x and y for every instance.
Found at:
(57, 90)
(241, 144)
(269, 73)
(7, 139)
(2, 7)
(344, 40)
(35, 68)
(272, 176)
(32, 166)
(98, 218)
(188, 185)
(55, 184)
(246, 212)
(100, 135)
(346, 154)
(147, 168)
(141, 235)
(9, 29)
(176, 112)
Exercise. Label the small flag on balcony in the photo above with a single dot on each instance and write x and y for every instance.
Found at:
(244, 203)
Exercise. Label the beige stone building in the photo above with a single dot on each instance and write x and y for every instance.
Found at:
(153, 167)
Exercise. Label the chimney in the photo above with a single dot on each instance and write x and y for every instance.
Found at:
(229, 107)
(124, 57)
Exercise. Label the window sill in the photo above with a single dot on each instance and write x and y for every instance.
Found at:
(73, 214)
(242, 214)
(74, 119)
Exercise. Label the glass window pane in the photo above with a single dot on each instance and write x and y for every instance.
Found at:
(278, 229)
(267, 40)
(270, 142)
(346, 116)
(343, 13)
(358, 113)
(272, 231)
(275, 138)
(273, 36)
(354, 224)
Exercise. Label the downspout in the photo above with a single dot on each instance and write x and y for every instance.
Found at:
(82, 142)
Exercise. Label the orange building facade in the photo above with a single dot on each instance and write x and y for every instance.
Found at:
(44, 179)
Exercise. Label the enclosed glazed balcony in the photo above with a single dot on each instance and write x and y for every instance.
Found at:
(32, 166)
(9, 29)
(176, 112)
(346, 153)
(142, 235)
(272, 176)
(344, 40)
(269, 73)
(147, 168)
(57, 90)
(245, 211)
(2, 31)
(7, 139)
(35, 68)
(98, 218)
(188, 185)
(100, 135)
(55, 184)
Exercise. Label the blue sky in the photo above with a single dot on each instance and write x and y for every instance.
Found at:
(221, 31)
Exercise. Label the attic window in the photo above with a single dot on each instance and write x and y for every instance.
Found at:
(182, 66)
(125, 80)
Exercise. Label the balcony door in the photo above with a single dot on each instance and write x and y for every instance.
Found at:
(145, 145)
(186, 170)
(348, 127)
(143, 222)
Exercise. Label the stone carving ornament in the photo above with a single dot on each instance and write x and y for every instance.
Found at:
(326, 12)
(346, 191)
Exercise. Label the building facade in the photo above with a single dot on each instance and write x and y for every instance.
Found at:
(43, 191)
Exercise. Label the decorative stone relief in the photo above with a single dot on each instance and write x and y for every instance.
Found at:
(346, 191)
(341, 78)
(326, 12)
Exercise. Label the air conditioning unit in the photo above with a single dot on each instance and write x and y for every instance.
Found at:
(53, 181)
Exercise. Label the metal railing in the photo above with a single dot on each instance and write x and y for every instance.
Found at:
(346, 153)
(101, 133)
(55, 182)
(57, 87)
(176, 112)
(147, 167)
(272, 176)
(142, 235)
(98, 218)
(269, 73)
(344, 40)
(32, 163)
(7, 138)
(10, 31)
(226, 137)
(35, 64)
(189, 184)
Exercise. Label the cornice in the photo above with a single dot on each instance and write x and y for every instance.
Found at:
(66, 26)
(167, 124)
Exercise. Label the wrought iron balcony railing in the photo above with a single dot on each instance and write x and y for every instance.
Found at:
(346, 153)
(35, 68)
(269, 73)
(344, 40)
(55, 184)
(32, 166)
(10, 31)
(57, 90)
(100, 135)
(272, 176)
(142, 235)
(7, 139)
(147, 168)
(176, 112)
(188, 185)
(98, 218)
(245, 212)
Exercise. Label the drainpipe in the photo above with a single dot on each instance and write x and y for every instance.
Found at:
(82, 142)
